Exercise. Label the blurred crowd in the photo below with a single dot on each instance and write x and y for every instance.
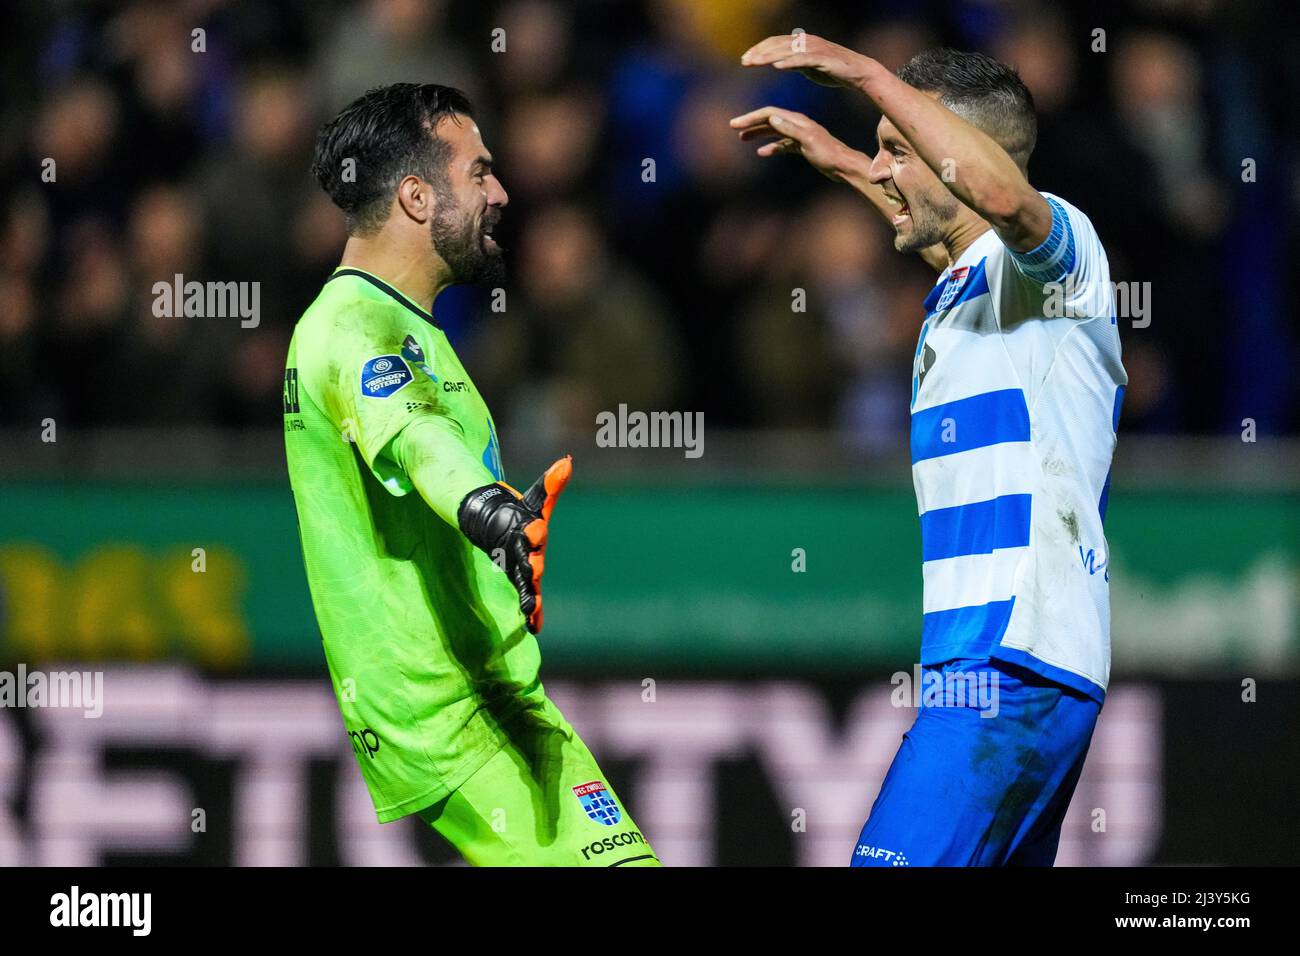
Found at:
(181, 133)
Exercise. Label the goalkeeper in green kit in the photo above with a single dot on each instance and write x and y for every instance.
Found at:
(425, 567)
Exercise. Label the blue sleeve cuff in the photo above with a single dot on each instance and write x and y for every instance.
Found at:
(1053, 258)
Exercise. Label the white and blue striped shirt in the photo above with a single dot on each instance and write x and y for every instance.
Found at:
(1016, 391)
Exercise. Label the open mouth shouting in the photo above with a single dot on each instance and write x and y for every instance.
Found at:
(903, 214)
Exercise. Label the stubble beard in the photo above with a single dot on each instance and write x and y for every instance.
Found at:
(930, 222)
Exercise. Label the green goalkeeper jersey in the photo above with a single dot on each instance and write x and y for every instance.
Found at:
(425, 643)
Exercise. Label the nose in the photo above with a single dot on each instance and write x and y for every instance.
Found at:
(496, 193)
(879, 170)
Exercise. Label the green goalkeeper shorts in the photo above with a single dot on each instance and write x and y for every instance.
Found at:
(540, 801)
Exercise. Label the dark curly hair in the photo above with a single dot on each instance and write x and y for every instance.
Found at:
(386, 136)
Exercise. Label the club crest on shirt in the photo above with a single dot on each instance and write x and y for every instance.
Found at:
(384, 375)
(598, 803)
(413, 353)
(956, 282)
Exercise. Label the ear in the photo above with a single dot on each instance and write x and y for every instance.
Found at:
(416, 198)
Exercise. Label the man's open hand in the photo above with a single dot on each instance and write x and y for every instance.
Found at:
(820, 60)
(794, 133)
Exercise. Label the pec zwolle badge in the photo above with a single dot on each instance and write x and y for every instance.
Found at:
(956, 281)
(600, 806)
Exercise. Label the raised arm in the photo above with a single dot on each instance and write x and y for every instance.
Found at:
(971, 165)
(796, 133)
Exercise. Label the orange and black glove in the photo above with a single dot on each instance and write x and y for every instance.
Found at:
(511, 528)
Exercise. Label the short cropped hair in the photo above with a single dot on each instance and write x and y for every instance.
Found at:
(987, 94)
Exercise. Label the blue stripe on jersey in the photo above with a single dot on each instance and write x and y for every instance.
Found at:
(1054, 257)
(978, 528)
(933, 297)
(963, 631)
(976, 284)
(990, 418)
(492, 454)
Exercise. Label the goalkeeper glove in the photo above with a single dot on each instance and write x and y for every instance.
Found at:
(511, 528)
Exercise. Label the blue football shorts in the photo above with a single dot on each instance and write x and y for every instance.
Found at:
(973, 790)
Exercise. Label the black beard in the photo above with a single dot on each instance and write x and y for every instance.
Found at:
(460, 244)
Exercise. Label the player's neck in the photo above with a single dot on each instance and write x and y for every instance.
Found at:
(418, 274)
(967, 230)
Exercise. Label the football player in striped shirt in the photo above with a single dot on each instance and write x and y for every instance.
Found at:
(1015, 398)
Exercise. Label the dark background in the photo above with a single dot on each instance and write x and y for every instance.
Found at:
(672, 294)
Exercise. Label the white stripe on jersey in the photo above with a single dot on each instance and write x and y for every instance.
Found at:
(990, 471)
(1013, 427)
(971, 579)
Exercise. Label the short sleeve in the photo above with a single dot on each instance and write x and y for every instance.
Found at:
(1068, 266)
(1056, 256)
